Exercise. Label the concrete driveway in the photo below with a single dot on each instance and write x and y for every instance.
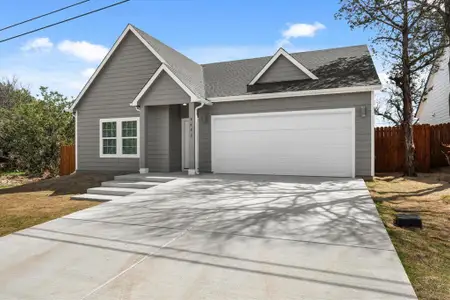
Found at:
(212, 237)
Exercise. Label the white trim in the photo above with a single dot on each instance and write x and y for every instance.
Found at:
(152, 79)
(184, 122)
(344, 90)
(372, 133)
(280, 52)
(353, 115)
(76, 140)
(143, 170)
(118, 138)
(318, 111)
(109, 54)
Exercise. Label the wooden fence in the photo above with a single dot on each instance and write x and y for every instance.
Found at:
(390, 147)
(67, 160)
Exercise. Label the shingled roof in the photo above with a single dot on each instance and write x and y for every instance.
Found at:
(344, 67)
(188, 71)
(335, 68)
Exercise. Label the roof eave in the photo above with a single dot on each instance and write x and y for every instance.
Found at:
(332, 91)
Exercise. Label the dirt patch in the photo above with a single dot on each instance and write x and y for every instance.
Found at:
(424, 252)
(10, 180)
(39, 201)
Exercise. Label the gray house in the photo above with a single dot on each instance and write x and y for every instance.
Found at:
(148, 108)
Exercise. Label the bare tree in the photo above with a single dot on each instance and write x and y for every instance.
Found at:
(407, 41)
(389, 104)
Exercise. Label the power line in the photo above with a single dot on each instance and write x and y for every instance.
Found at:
(63, 21)
(44, 15)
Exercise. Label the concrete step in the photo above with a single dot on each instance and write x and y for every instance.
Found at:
(130, 184)
(114, 191)
(95, 197)
(142, 177)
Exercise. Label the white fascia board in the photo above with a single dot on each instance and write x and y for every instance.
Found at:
(109, 54)
(345, 90)
(281, 51)
(163, 67)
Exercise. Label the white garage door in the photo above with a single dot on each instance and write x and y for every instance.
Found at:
(308, 143)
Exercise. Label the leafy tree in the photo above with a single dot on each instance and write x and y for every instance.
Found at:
(11, 93)
(33, 131)
(408, 42)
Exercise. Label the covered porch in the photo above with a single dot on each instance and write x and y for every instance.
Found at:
(167, 138)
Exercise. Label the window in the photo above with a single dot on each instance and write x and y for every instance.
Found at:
(119, 137)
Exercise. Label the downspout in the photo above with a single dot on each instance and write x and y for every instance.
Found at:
(75, 114)
(196, 138)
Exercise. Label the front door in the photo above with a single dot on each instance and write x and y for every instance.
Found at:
(185, 130)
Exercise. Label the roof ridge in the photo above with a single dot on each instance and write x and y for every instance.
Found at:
(158, 40)
(290, 53)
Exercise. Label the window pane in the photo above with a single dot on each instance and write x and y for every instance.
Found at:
(129, 146)
(109, 129)
(109, 146)
(129, 128)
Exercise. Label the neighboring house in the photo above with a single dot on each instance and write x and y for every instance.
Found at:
(434, 106)
(149, 108)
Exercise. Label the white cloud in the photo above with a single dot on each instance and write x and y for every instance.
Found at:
(302, 30)
(299, 30)
(88, 72)
(42, 43)
(84, 50)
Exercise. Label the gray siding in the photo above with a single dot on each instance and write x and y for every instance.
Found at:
(175, 138)
(363, 128)
(163, 138)
(282, 70)
(109, 96)
(164, 91)
(158, 156)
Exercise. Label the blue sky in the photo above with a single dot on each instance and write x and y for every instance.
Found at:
(63, 57)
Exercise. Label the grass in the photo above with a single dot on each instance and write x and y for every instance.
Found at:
(12, 173)
(26, 205)
(425, 253)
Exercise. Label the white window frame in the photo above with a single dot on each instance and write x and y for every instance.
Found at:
(118, 137)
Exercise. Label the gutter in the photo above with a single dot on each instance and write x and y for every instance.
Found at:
(196, 133)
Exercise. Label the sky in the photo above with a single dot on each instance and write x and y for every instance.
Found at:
(63, 57)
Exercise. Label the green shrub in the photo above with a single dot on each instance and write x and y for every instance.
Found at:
(32, 132)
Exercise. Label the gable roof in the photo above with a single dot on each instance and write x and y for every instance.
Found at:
(335, 68)
(282, 52)
(330, 69)
(162, 68)
(188, 71)
(177, 64)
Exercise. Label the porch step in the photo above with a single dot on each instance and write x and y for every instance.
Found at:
(142, 177)
(95, 197)
(114, 191)
(130, 184)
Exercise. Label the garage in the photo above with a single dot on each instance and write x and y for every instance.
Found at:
(305, 143)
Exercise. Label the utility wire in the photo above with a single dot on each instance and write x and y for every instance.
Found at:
(63, 21)
(44, 15)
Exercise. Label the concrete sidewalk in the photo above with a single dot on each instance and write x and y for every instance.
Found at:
(212, 237)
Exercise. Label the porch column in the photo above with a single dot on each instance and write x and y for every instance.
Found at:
(191, 138)
(143, 163)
